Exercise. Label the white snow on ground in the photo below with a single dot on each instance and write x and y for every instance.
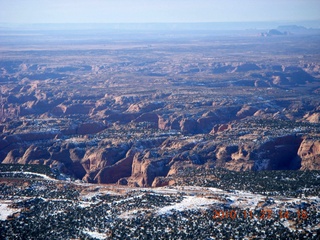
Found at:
(190, 202)
(132, 213)
(215, 190)
(186, 189)
(5, 211)
(243, 199)
(32, 173)
(95, 234)
(84, 204)
(87, 196)
(129, 199)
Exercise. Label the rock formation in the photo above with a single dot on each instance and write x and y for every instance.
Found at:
(309, 152)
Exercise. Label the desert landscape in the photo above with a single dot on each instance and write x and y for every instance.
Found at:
(159, 126)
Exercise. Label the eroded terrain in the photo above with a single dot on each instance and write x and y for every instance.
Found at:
(195, 118)
(113, 107)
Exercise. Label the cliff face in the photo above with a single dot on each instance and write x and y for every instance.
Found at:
(278, 154)
(144, 140)
(275, 154)
(154, 162)
(145, 170)
(309, 152)
(144, 112)
(112, 174)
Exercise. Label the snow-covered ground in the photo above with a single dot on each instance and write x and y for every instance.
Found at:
(195, 197)
(5, 211)
(190, 202)
(31, 173)
(131, 213)
(96, 235)
(243, 199)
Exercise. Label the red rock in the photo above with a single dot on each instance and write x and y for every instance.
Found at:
(163, 124)
(122, 117)
(246, 111)
(144, 170)
(309, 152)
(220, 128)
(79, 109)
(189, 125)
(90, 128)
(13, 156)
(148, 117)
(144, 107)
(162, 182)
(206, 123)
(313, 118)
(112, 174)
(34, 153)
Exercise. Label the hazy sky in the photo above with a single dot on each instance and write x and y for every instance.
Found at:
(115, 11)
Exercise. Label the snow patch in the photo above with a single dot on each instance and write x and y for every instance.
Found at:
(32, 173)
(243, 199)
(5, 211)
(84, 204)
(190, 202)
(132, 213)
(96, 235)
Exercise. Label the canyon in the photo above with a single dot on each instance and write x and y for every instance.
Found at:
(136, 109)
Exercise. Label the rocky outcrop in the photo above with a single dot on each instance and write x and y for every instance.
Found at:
(96, 160)
(171, 122)
(34, 155)
(261, 84)
(31, 136)
(76, 155)
(219, 68)
(312, 118)
(205, 124)
(13, 156)
(280, 79)
(189, 125)
(148, 117)
(163, 123)
(76, 108)
(278, 154)
(224, 154)
(309, 152)
(101, 157)
(220, 128)
(162, 181)
(68, 159)
(117, 171)
(90, 128)
(124, 100)
(246, 111)
(122, 118)
(290, 76)
(245, 67)
(144, 107)
(145, 168)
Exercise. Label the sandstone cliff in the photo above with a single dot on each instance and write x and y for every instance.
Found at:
(309, 152)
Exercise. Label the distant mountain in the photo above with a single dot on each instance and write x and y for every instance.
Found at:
(292, 28)
(273, 32)
(288, 30)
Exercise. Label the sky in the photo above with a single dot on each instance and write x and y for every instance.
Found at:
(154, 11)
